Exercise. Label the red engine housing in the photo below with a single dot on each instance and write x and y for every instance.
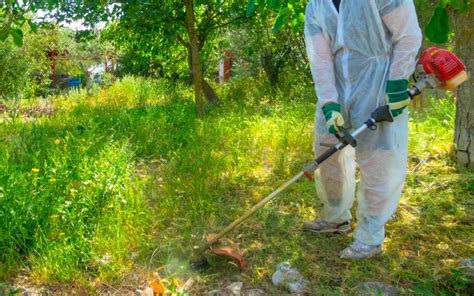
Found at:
(441, 63)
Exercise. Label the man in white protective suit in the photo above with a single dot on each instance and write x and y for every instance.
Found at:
(361, 52)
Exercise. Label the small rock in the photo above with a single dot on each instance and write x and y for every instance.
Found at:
(377, 288)
(254, 292)
(147, 292)
(219, 292)
(22, 292)
(187, 285)
(468, 263)
(468, 266)
(290, 278)
(235, 288)
(104, 260)
(214, 293)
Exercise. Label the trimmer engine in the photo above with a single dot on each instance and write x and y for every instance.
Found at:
(439, 69)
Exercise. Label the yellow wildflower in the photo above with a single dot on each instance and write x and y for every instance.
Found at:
(176, 283)
(57, 141)
(35, 170)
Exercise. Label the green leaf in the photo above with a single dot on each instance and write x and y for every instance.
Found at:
(301, 17)
(52, 4)
(17, 36)
(297, 24)
(250, 7)
(4, 34)
(281, 19)
(294, 25)
(437, 30)
(33, 26)
(274, 4)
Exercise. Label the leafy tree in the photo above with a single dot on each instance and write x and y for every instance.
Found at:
(171, 22)
(13, 73)
(157, 29)
(290, 12)
(25, 70)
(438, 28)
(13, 17)
(272, 51)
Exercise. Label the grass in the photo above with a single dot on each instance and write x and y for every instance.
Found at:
(118, 185)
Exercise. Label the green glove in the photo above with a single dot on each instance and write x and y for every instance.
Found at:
(398, 97)
(334, 119)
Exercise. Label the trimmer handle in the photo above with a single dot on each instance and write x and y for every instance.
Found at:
(344, 136)
(381, 114)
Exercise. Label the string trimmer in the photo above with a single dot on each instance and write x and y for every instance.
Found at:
(436, 69)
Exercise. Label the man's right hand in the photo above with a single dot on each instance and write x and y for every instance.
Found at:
(398, 97)
(334, 119)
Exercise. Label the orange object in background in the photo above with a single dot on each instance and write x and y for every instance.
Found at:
(225, 66)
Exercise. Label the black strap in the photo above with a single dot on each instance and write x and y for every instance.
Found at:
(336, 4)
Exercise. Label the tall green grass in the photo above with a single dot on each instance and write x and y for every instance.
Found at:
(77, 187)
(126, 180)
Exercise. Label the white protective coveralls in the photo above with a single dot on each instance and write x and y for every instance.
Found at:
(353, 52)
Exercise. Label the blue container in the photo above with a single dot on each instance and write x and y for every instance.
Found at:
(74, 82)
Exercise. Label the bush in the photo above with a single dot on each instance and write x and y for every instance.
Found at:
(14, 74)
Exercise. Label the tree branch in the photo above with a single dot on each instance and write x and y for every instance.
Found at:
(224, 24)
(204, 34)
(182, 41)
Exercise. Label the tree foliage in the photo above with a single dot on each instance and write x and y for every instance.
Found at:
(25, 70)
(289, 12)
(257, 46)
(13, 73)
(438, 29)
(147, 26)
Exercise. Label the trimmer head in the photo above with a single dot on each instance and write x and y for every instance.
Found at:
(232, 253)
(201, 264)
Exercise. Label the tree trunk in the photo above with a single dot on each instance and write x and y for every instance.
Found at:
(464, 130)
(209, 92)
(196, 72)
(270, 68)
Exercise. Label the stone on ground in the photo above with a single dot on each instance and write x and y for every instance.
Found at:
(377, 289)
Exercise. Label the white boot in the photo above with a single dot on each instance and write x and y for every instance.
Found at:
(359, 250)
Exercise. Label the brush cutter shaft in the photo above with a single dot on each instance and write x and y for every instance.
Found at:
(308, 169)
(247, 214)
(344, 139)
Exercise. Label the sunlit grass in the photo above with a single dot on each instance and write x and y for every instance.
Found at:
(128, 179)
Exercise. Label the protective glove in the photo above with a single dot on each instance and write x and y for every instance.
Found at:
(398, 97)
(334, 119)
